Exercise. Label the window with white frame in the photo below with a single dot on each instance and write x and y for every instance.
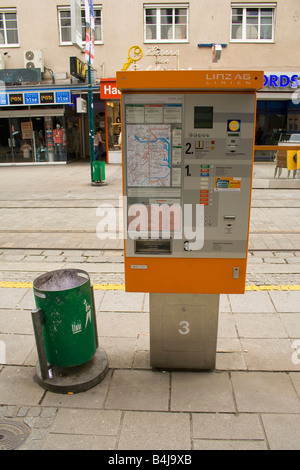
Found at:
(8, 27)
(166, 23)
(252, 22)
(64, 18)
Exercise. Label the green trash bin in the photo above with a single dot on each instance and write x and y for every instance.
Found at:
(69, 323)
(98, 171)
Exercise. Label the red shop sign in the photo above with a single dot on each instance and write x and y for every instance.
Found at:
(109, 90)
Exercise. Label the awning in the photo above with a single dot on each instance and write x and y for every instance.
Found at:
(261, 95)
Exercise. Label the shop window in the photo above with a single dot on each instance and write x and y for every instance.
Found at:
(64, 18)
(271, 121)
(8, 27)
(40, 139)
(62, 138)
(166, 23)
(113, 125)
(252, 23)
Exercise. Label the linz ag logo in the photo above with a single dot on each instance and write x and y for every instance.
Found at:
(229, 76)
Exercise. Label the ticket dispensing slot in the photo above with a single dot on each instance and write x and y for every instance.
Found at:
(229, 218)
(153, 247)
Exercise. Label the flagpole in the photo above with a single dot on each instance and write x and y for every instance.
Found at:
(91, 117)
(89, 14)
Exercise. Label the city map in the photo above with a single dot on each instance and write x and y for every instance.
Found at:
(148, 155)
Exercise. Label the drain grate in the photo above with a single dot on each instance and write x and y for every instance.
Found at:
(12, 434)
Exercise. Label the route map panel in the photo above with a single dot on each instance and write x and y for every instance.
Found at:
(148, 155)
(153, 141)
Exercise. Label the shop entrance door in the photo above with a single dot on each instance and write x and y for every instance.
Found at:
(16, 141)
(6, 151)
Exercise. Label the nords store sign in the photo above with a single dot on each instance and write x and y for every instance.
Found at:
(283, 81)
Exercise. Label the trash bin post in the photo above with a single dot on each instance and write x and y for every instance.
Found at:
(94, 316)
(37, 321)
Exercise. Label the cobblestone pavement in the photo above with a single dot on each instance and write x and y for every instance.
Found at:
(264, 267)
(38, 419)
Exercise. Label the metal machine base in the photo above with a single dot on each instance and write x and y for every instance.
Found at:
(183, 331)
(75, 379)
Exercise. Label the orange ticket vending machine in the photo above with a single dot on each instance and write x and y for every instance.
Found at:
(188, 145)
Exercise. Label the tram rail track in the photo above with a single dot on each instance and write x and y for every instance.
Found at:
(62, 217)
(42, 248)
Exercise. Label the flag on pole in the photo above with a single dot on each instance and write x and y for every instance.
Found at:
(89, 31)
(92, 39)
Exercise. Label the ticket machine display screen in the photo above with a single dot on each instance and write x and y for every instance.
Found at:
(203, 117)
(187, 173)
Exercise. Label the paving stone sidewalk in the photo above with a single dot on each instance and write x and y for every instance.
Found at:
(251, 400)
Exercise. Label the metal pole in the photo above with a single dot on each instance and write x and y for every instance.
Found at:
(37, 320)
(94, 316)
(91, 117)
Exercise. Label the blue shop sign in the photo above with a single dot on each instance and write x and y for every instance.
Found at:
(3, 99)
(63, 97)
(31, 98)
(35, 97)
(281, 81)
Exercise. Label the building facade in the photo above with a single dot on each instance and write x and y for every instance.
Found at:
(42, 101)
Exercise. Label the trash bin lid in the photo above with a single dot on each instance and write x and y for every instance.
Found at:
(61, 279)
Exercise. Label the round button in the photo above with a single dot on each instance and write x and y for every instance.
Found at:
(234, 125)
